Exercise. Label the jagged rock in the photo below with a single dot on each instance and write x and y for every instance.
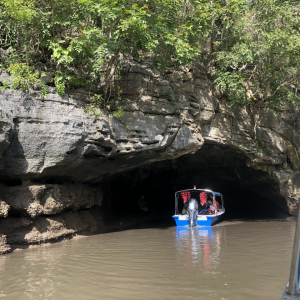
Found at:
(153, 105)
(45, 79)
(41, 136)
(49, 199)
(5, 78)
(46, 229)
(4, 208)
(4, 247)
(289, 183)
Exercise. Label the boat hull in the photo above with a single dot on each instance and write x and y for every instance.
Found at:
(202, 220)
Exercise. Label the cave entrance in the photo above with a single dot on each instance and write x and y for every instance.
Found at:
(248, 193)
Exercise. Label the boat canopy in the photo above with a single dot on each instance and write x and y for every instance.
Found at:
(202, 196)
(200, 190)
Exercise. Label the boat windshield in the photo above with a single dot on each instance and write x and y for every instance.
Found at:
(209, 202)
(219, 201)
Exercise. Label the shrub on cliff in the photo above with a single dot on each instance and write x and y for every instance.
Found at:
(250, 48)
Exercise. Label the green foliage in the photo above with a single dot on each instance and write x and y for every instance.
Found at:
(86, 35)
(60, 85)
(44, 90)
(255, 51)
(171, 95)
(23, 76)
(250, 49)
(94, 107)
(5, 85)
(119, 113)
(21, 10)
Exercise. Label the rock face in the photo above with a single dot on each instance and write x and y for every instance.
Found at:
(25, 230)
(55, 137)
(49, 199)
(55, 157)
(4, 247)
(4, 208)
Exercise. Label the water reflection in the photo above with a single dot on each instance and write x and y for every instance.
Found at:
(3, 260)
(200, 246)
(41, 266)
(31, 271)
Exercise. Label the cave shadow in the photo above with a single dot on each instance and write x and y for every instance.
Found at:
(249, 194)
(15, 161)
(156, 223)
(24, 232)
(18, 230)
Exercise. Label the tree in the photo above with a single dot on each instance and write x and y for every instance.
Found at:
(250, 48)
(257, 49)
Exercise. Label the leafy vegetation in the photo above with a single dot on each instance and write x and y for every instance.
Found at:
(23, 76)
(249, 48)
(256, 51)
(5, 85)
(60, 85)
(44, 90)
(94, 107)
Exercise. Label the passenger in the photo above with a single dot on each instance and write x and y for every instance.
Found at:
(217, 205)
(143, 204)
(214, 204)
(184, 210)
(186, 195)
(203, 198)
(209, 205)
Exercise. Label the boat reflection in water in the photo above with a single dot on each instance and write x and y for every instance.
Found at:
(200, 246)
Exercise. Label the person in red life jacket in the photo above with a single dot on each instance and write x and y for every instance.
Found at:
(186, 195)
(210, 207)
(203, 198)
(217, 205)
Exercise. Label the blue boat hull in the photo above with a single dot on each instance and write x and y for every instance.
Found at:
(202, 220)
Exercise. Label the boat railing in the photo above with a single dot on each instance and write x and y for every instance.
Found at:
(292, 289)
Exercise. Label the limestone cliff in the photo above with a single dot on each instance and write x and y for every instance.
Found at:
(54, 157)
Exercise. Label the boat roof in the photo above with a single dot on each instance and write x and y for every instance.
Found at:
(204, 190)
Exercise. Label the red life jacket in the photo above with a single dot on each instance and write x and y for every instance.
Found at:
(203, 198)
(186, 195)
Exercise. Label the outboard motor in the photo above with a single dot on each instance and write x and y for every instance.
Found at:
(192, 209)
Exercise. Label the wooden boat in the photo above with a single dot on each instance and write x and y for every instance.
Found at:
(199, 207)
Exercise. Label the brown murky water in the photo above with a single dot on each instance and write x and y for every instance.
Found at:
(234, 260)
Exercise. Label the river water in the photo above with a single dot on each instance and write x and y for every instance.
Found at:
(233, 260)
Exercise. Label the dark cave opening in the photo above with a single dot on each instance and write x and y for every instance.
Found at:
(248, 193)
(11, 182)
